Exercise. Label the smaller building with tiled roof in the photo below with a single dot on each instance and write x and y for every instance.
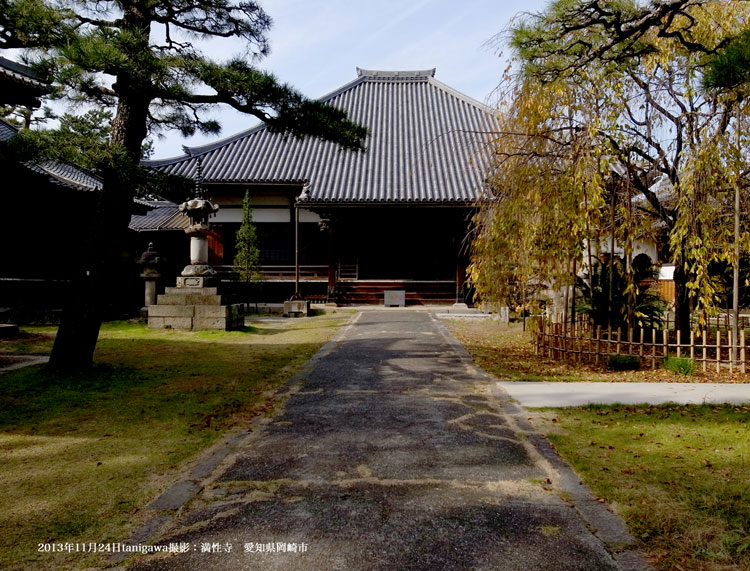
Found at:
(20, 85)
(397, 211)
(162, 216)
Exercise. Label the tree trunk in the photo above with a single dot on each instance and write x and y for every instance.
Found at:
(82, 316)
(681, 301)
(83, 313)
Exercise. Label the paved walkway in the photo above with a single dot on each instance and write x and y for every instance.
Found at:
(536, 394)
(392, 452)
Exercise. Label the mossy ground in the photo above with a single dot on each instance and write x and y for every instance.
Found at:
(82, 454)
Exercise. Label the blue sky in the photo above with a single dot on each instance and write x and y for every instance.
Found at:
(316, 46)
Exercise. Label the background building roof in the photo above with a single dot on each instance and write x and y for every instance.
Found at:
(163, 215)
(427, 144)
(20, 85)
(57, 172)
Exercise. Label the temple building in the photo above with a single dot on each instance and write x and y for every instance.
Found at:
(353, 225)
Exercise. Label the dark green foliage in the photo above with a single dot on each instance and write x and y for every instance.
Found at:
(82, 140)
(248, 255)
(648, 308)
(730, 67)
(680, 365)
(624, 362)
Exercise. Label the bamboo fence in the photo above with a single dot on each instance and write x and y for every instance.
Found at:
(564, 341)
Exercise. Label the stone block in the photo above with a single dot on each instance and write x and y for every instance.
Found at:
(200, 299)
(201, 323)
(236, 316)
(194, 281)
(172, 299)
(192, 290)
(211, 310)
(297, 307)
(170, 323)
(171, 310)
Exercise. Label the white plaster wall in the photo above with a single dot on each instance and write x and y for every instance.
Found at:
(227, 214)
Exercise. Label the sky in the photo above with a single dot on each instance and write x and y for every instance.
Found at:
(316, 46)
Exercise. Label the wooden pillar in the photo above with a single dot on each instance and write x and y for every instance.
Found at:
(297, 292)
(331, 294)
(460, 280)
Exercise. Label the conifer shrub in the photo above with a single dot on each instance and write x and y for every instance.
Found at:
(680, 365)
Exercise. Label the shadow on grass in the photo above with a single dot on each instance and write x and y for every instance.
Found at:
(179, 379)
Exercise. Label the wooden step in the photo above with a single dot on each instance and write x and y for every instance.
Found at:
(416, 292)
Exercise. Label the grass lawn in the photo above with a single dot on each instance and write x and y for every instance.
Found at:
(678, 475)
(506, 351)
(81, 455)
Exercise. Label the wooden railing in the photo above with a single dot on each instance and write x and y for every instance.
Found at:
(283, 272)
(567, 342)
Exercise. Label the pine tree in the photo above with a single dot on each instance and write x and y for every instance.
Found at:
(142, 59)
(247, 258)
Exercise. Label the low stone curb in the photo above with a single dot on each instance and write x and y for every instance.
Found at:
(24, 361)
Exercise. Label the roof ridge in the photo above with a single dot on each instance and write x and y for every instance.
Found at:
(208, 147)
(422, 74)
(19, 68)
(467, 98)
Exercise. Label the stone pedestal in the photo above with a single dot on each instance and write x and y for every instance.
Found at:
(194, 304)
(198, 252)
(194, 308)
(150, 261)
(149, 276)
(296, 308)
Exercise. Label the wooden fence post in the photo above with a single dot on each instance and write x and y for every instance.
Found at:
(742, 350)
(598, 342)
(705, 354)
(731, 351)
(692, 344)
(630, 340)
(665, 336)
(653, 348)
(679, 343)
(642, 338)
(718, 350)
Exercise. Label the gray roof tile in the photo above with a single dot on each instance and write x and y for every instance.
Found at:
(427, 144)
(58, 172)
(67, 175)
(22, 74)
(7, 131)
(163, 215)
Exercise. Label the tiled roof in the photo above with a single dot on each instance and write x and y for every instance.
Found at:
(67, 175)
(20, 73)
(57, 172)
(7, 131)
(164, 215)
(20, 85)
(427, 145)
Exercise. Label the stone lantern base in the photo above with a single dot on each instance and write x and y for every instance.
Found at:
(193, 305)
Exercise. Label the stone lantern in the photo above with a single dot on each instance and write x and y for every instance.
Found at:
(150, 262)
(195, 303)
(198, 210)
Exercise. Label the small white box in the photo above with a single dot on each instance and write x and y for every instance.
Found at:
(396, 297)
